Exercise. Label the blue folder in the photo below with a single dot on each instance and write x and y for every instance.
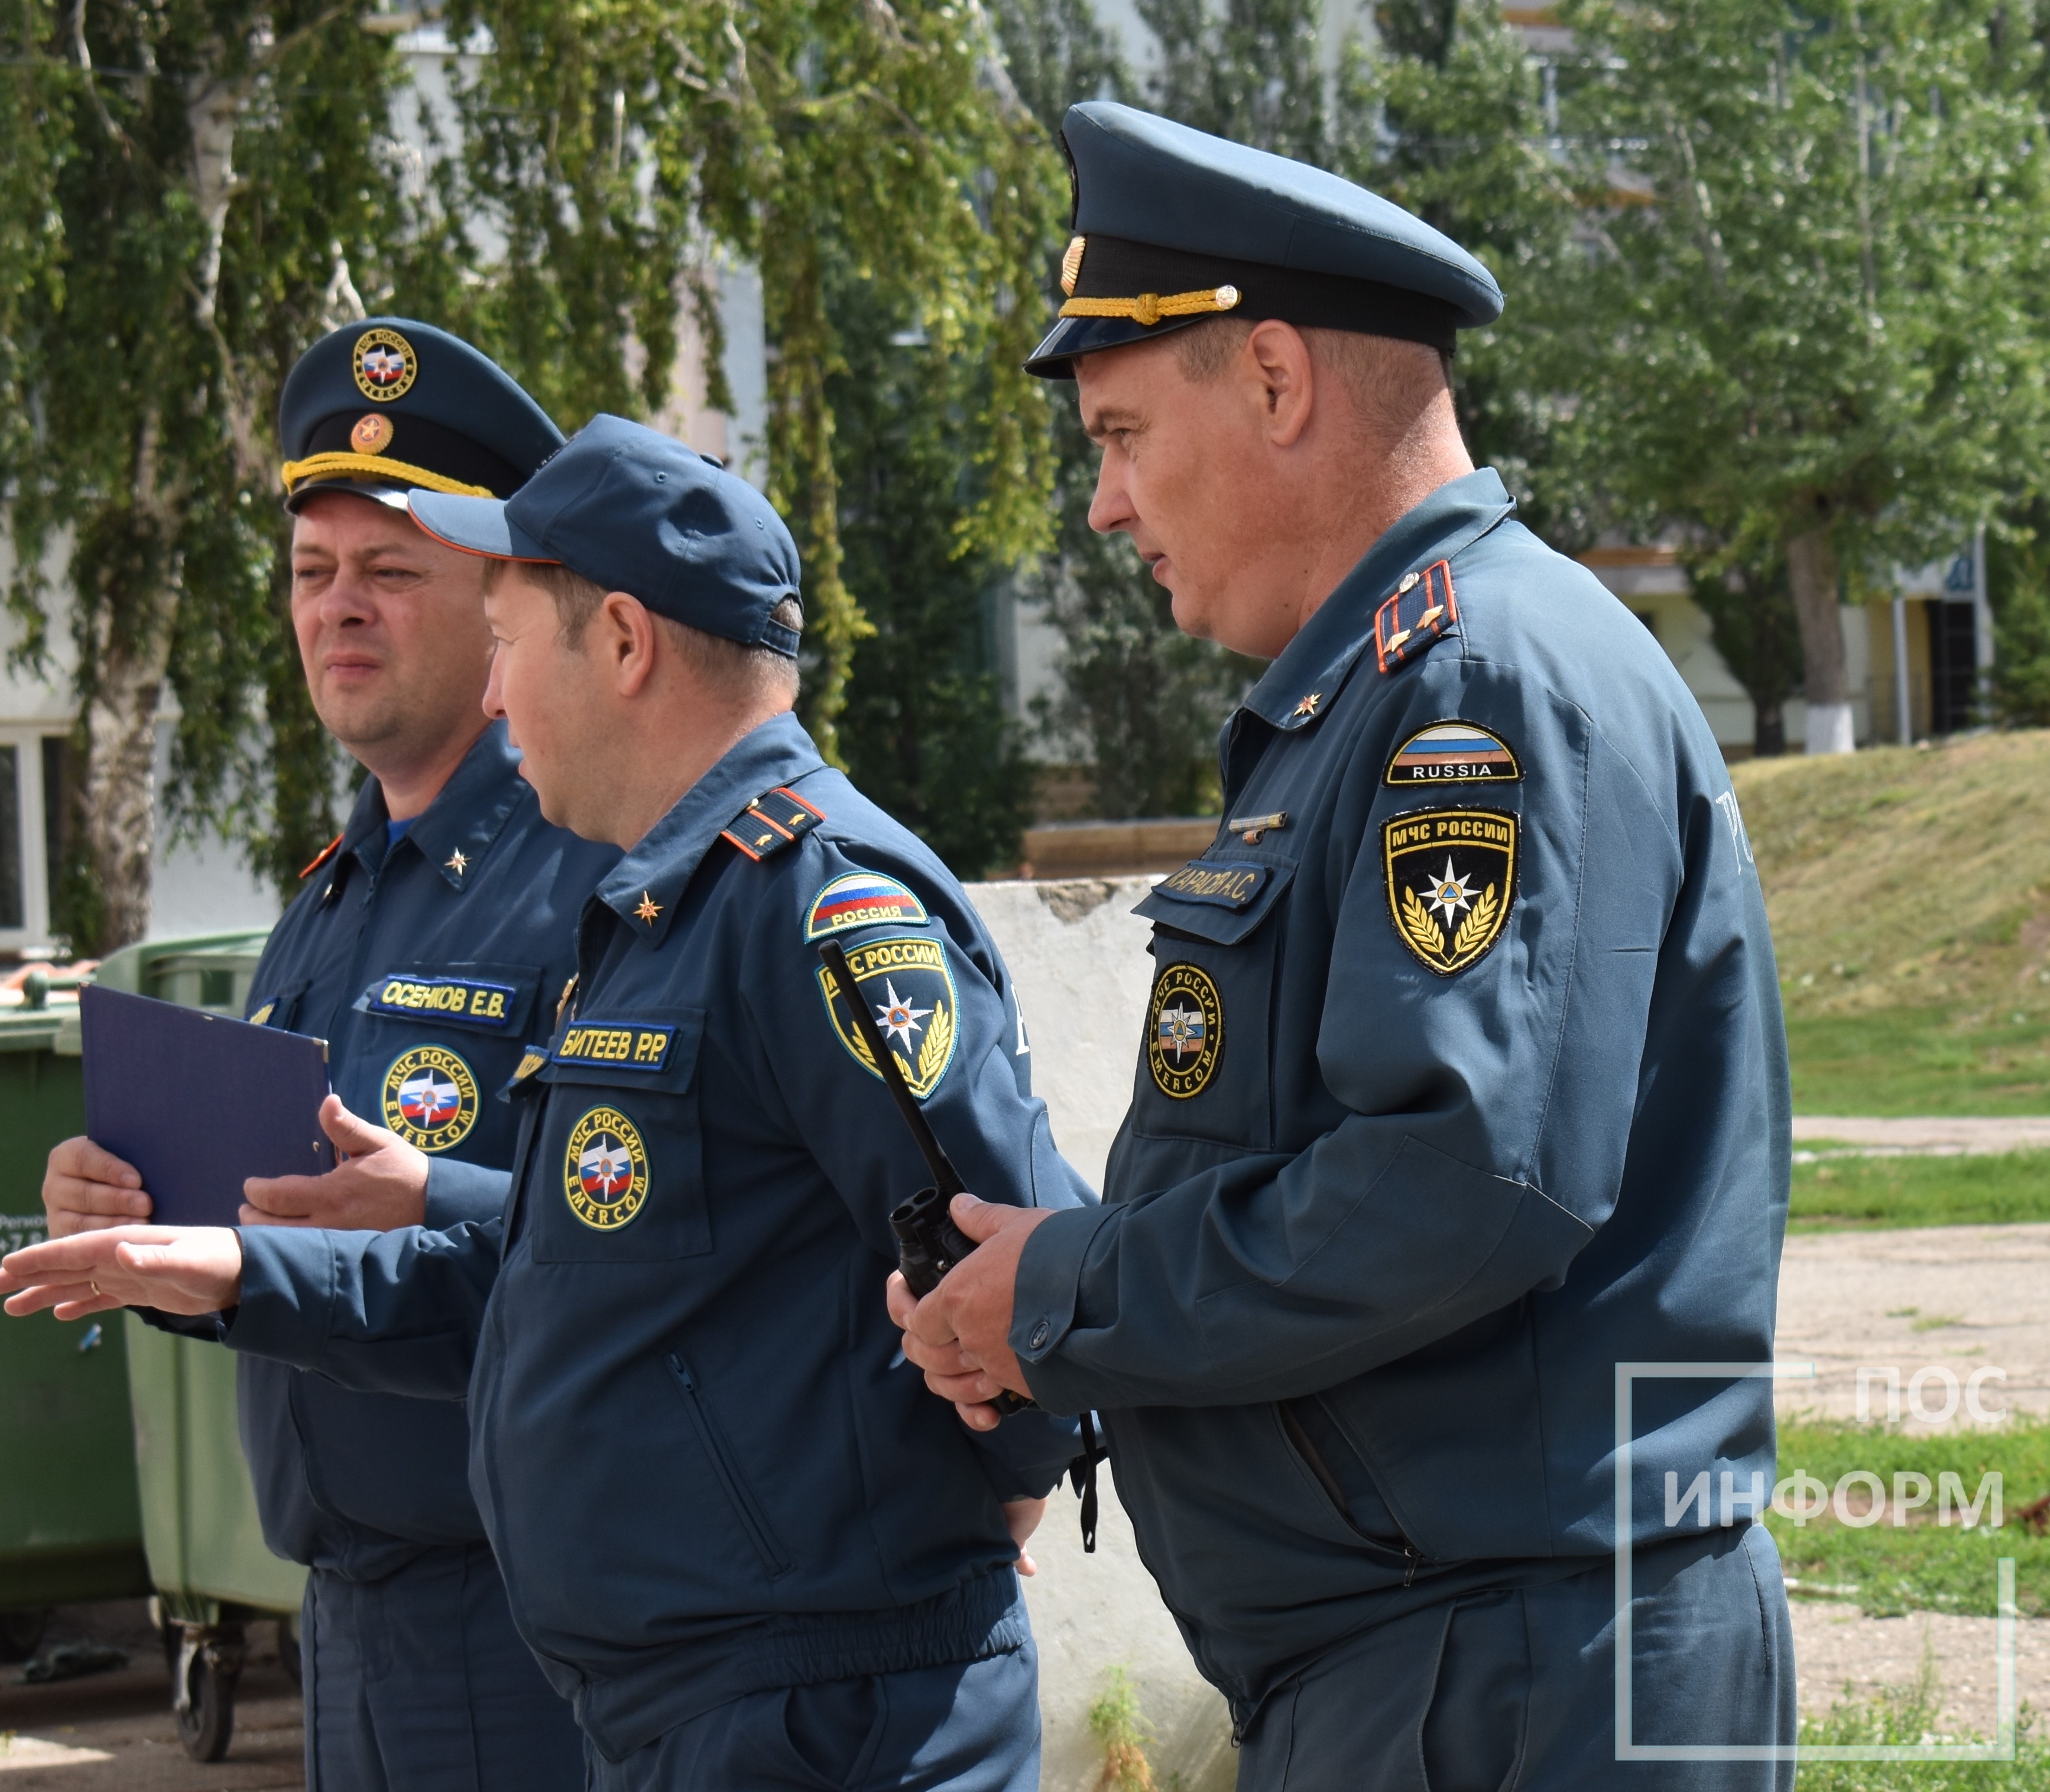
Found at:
(197, 1101)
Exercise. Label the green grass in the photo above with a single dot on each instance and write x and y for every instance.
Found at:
(1907, 1716)
(1961, 1059)
(1922, 1566)
(1851, 1193)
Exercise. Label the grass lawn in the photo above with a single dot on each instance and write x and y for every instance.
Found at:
(1842, 1193)
(1923, 1566)
(1921, 1060)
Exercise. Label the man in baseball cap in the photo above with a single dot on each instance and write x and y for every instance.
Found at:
(734, 1526)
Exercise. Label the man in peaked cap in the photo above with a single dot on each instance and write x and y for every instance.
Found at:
(734, 1525)
(425, 945)
(1458, 1145)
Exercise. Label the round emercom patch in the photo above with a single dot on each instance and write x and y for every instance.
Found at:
(605, 1170)
(385, 365)
(1185, 1035)
(429, 1098)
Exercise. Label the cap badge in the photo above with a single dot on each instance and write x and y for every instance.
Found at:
(1071, 264)
(372, 434)
(385, 364)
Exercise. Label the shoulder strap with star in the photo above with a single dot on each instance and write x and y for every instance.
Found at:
(776, 818)
(1418, 611)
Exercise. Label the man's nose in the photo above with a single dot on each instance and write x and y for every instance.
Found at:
(1110, 509)
(348, 598)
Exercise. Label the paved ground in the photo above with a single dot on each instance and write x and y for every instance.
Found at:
(114, 1732)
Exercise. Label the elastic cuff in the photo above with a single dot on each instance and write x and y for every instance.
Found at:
(458, 1190)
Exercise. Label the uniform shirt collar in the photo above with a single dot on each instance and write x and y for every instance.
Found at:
(454, 831)
(1301, 683)
(653, 874)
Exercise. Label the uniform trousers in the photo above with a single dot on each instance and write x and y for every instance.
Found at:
(418, 1683)
(1514, 1690)
(968, 1726)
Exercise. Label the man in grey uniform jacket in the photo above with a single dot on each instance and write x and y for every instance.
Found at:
(1463, 1084)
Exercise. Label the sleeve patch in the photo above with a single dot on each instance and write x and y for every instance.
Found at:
(863, 898)
(910, 988)
(1452, 881)
(1220, 882)
(773, 821)
(1453, 752)
(616, 1045)
(1415, 614)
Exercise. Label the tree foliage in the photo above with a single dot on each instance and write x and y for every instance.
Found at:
(199, 188)
(193, 176)
(1815, 325)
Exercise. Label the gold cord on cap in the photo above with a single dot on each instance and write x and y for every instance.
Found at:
(1149, 308)
(327, 466)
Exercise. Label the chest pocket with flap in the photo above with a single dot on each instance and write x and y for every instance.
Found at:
(615, 1170)
(1206, 1064)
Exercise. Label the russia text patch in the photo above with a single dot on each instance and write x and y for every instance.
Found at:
(1451, 879)
(863, 898)
(1453, 753)
(1227, 884)
(452, 998)
(616, 1045)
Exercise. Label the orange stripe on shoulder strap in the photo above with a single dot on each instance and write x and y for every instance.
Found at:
(327, 852)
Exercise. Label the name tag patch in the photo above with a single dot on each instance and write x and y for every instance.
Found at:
(616, 1045)
(1221, 882)
(455, 998)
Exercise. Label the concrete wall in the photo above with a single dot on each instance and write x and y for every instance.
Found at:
(1079, 956)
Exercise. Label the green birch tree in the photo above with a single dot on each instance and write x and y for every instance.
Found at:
(1815, 328)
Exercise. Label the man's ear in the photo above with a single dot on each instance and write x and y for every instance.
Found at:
(625, 633)
(1277, 357)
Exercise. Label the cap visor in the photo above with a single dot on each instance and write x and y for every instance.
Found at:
(476, 525)
(1071, 336)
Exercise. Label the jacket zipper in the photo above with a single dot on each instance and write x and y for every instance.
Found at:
(1313, 1458)
(752, 1519)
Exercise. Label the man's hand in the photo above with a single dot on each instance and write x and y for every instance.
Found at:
(1024, 1517)
(381, 1182)
(960, 1334)
(177, 1269)
(87, 1190)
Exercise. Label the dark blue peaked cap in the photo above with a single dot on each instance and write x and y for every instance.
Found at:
(392, 405)
(633, 510)
(1173, 225)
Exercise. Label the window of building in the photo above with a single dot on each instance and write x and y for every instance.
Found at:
(14, 894)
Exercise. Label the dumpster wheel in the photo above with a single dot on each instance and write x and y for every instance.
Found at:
(206, 1665)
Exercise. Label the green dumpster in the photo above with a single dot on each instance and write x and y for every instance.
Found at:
(70, 1530)
(207, 1557)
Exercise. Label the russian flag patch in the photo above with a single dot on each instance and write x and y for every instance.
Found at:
(863, 898)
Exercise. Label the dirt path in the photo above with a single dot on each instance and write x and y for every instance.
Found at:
(1936, 1137)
